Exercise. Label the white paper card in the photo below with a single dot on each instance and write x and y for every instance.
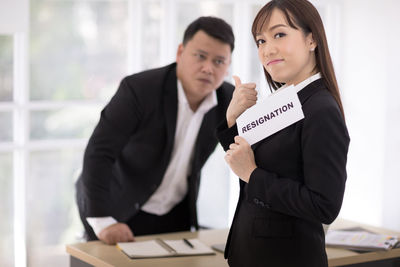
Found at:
(270, 115)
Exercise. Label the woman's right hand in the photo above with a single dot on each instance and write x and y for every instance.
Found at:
(244, 96)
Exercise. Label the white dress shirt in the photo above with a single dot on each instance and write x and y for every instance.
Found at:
(174, 185)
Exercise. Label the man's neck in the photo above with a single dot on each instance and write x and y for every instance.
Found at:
(197, 101)
(194, 103)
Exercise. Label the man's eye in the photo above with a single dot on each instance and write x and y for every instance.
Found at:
(219, 62)
(200, 56)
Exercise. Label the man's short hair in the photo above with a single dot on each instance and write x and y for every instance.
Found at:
(213, 26)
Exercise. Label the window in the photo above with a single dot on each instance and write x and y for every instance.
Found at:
(6, 68)
(78, 49)
(6, 210)
(77, 56)
(6, 155)
(52, 217)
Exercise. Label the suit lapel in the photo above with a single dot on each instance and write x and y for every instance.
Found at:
(209, 122)
(170, 103)
(207, 128)
(310, 89)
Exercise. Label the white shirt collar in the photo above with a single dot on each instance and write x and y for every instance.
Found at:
(304, 83)
(308, 81)
(208, 103)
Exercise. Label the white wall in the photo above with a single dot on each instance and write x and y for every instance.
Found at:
(369, 57)
(391, 179)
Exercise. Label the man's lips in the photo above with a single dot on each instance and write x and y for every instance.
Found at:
(275, 61)
(204, 80)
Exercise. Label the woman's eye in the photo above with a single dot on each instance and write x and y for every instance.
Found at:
(260, 42)
(279, 35)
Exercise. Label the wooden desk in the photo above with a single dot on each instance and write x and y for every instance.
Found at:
(98, 254)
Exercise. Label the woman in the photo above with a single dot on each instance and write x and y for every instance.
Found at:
(292, 181)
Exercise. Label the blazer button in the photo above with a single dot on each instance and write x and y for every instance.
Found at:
(267, 206)
(262, 203)
(137, 206)
(256, 201)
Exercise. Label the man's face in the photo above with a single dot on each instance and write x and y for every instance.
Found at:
(202, 65)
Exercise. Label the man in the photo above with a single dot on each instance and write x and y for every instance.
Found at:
(141, 169)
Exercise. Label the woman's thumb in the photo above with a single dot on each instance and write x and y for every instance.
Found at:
(237, 80)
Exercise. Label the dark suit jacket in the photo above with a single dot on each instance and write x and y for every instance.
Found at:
(130, 148)
(298, 185)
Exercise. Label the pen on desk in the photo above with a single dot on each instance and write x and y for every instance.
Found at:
(166, 246)
(188, 243)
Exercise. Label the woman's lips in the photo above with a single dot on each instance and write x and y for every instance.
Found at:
(275, 61)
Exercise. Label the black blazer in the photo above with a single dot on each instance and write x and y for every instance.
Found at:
(130, 148)
(298, 185)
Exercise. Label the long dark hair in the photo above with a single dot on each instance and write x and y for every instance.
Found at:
(302, 14)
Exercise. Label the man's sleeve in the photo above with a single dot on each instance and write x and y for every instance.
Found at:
(118, 120)
(100, 223)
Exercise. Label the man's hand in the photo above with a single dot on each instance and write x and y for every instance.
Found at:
(244, 96)
(118, 232)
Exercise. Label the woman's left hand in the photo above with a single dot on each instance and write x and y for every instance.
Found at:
(240, 158)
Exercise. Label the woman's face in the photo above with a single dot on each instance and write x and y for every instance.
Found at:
(286, 54)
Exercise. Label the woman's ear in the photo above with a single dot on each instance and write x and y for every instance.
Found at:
(311, 42)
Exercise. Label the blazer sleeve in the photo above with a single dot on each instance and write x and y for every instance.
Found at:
(118, 120)
(324, 142)
(226, 135)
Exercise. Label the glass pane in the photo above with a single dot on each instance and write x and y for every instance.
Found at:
(150, 38)
(6, 68)
(187, 12)
(52, 216)
(6, 211)
(67, 123)
(213, 200)
(6, 127)
(78, 49)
